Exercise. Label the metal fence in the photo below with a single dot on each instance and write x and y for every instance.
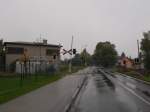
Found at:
(32, 67)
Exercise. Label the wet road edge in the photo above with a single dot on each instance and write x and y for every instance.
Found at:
(75, 95)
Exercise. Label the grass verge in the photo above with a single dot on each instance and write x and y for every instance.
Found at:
(12, 87)
(134, 74)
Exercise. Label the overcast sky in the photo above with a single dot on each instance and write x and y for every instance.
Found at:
(90, 21)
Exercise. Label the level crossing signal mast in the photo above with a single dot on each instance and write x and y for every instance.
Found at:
(70, 52)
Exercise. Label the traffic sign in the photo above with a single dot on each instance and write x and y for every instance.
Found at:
(67, 52)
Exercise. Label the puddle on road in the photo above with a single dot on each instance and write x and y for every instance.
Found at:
(146, 93)
(108, 82)
(102, 81)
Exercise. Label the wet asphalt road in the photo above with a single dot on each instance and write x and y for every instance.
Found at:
(105, 92)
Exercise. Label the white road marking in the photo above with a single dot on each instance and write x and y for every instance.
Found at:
(130, 90)
(131, 85)
(135, 78)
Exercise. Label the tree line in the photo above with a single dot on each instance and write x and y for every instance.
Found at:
(106, 55)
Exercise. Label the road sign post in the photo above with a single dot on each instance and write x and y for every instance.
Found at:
(70, 64)
(71, 52)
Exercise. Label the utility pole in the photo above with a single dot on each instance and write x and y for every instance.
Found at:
(84, 54)
(70, 64)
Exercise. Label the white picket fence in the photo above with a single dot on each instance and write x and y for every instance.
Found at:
(34, 67)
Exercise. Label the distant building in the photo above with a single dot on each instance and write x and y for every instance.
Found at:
(125, 62)
(34, 51)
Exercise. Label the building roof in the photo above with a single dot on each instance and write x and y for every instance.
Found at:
(32, 44)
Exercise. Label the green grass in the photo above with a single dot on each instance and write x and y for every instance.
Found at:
(12, 87)
(147, 78)
(134, 74)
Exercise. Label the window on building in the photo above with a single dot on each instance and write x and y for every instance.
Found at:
(15, 50)
(52, 51)
(54, 57)
(124, 62)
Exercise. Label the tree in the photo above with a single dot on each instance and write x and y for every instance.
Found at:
(2, 56)
(145, 47)
(1, 47)
(105, 54)
(77, 60)
(86, 57)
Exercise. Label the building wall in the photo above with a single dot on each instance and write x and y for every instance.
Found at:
(31, 51)
(125, 62)
(2, 65)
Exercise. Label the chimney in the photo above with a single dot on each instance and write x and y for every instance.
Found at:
(44, 41)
